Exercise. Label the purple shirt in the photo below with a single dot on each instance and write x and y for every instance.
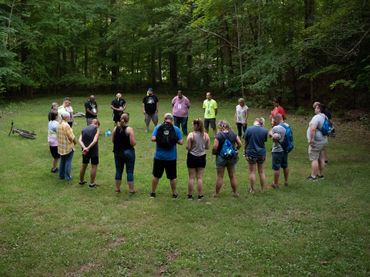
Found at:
(180, 106)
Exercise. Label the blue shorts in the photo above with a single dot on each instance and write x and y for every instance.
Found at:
(279, 160)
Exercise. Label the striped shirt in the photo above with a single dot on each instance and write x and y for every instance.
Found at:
(65, 138)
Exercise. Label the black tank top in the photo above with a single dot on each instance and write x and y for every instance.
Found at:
(121, 141)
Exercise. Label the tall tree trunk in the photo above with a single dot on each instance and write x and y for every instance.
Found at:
(309, 13)
(160, 79)
(86, 60)
(152, 67)
(172, 57)
(226, 47)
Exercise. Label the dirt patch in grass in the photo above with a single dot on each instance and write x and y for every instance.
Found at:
(82, 270)
(171, 256)
(117, 242)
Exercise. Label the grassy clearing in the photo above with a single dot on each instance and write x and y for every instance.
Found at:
(50, 227)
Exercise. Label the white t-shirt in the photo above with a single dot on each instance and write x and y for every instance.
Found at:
(241, 114)
(317, 121)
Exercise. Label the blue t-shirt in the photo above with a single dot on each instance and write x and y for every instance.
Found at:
(255, 137)
(166, 154)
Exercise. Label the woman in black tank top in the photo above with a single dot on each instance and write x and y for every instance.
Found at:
(123, 139)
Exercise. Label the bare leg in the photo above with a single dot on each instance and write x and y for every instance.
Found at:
(261, 173)
(155, 181)
(314, 168)
(55, 162)
(219, 180)
(94, 167)
(252, 177)
(173, 186)
(276, 177)
(232, 177)
(118, 185)
(214, 132)
(321, 164)
(82, 172)
(200, 172)
(286, 175)
(191, 180)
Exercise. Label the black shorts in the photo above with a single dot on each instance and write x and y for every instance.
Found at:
(160, 165)
(196, 161)
(54, 152)
(210, 121)
(117, 117)
(86, 159)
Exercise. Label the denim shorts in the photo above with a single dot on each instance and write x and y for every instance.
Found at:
(221, 162)
(279, 160)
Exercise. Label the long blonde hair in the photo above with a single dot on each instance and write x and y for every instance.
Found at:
(198, 125)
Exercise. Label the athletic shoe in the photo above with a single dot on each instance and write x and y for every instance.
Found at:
(152, 195)
(321, 177)
(200, 197)
(54, 170)
(175, 195)
(82, 183)
(93, 185)
(190, 197)
(310, 178)
(274, 186)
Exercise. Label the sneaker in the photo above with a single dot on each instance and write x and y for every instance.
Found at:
(286, 184)
(190, 197)
(54, 170)
(200, 197)
(321, 177)
(175, 195)
(92, 185)
(310, 178)
(82, 183)
(152, 195)
(274, 186)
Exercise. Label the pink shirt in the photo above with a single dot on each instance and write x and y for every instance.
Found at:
(180, 107)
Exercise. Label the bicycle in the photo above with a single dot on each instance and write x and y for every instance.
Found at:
(23, 133)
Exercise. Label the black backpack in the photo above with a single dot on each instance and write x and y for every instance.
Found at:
(166, 136)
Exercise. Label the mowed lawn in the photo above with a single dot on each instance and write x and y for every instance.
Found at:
(49, 227)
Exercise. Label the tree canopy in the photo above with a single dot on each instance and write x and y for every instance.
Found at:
(301, 50)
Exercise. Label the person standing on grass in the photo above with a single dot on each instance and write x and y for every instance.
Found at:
(53, 140)
(278, 109)
(180, 111)
(316, 144)
(210, 112)
(89, 143)
(66, 108)
(66, 142)
(225, 133)
(279, 155)
(150, 109)
(255, 152)
(166, 136)
(53, 109)
(197, 143)
(123, 139)
(91, 109)
(241, 117)
(118, 106)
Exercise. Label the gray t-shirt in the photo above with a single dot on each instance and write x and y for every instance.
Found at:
(317, 121)
(276, 146)
(88, 135)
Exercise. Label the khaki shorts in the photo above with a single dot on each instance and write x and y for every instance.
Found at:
(314, 151)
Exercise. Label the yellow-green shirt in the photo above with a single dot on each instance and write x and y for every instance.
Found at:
(209, 107)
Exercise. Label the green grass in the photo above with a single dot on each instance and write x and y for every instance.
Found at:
(53, 228)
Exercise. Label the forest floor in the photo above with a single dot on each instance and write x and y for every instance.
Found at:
(54, 228)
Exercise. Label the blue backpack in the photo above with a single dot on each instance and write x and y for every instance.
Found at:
(228, 150)
(288, 143)
(326, 128)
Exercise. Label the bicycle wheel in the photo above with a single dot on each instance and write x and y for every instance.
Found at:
(26, 135)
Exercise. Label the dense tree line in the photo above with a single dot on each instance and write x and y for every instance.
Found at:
(301, 50)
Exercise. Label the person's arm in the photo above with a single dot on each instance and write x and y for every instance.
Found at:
(114, 133)
(208, 141)
(157, 107)
(70, 135)
(154, 134)
(189, 141)
(215, 147)
(216, 111)
(143, 108)
(81, 142)
(131, 133)
(179, 135)
(124, 106)
(246, 113)
(312, 133)
(173, 101)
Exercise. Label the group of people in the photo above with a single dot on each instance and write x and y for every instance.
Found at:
(168, 134)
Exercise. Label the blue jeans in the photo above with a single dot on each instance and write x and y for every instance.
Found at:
(65, 166)
(128, 158)
(184, 124)
(241, 127)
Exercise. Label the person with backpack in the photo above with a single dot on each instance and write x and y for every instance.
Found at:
(255, 152)
(123, 138)
(150, 108)
(282, 145)
(317, 139)
(166, 136)
(225, 148)
(197, 143)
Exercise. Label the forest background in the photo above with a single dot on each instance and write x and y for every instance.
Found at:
(300, 50)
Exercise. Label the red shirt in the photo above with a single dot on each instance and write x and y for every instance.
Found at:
(278, 109)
